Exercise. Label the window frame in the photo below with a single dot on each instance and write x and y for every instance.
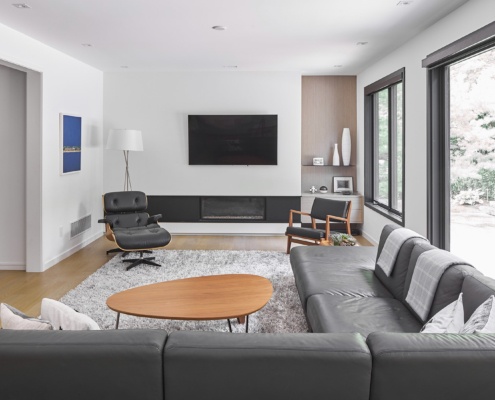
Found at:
(438, 127)
(370, 145)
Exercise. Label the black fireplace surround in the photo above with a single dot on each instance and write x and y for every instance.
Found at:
(227, 209)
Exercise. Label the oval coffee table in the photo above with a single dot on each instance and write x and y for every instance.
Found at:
(201, 298)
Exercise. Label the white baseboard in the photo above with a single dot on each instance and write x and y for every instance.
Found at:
(213, 228)
(12, 266)
(50, 263)
(369, 238)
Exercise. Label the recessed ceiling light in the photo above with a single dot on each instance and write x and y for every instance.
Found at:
(338, 66)
(21, 5)
(219, 28)
(87, 45)
(405, 3)
(361, 43)
(124, 66)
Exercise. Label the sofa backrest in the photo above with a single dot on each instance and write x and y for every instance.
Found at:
(475, 290)
(222, 366)
(449, 286)
(396, 281)
(81, 365)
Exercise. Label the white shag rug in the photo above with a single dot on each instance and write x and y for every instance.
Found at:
(283, 313)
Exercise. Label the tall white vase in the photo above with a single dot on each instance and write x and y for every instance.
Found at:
(346, 146)
(336, 157)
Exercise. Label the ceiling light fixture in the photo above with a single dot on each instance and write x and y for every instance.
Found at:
(361, 43)
(229, 66)
(219, 28)
(124, 66)
(87, 45)
(338, 66)
(21, 5)
(405, 3)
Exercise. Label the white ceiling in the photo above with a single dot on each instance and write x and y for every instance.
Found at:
(307, 36)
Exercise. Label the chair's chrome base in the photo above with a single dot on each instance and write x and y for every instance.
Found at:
(141, 260)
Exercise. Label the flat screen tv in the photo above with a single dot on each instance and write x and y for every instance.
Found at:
(232, 139)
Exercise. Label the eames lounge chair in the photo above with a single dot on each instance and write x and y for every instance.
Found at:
(131, 228)
(327, 210)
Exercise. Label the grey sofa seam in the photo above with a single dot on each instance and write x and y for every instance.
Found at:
(264, 349)
(386, 352)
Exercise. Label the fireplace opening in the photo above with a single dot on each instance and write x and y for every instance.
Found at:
(233, 208)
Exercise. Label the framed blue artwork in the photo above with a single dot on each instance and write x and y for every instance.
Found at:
(70, 141)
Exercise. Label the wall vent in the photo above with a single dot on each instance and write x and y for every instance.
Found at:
(79, 226)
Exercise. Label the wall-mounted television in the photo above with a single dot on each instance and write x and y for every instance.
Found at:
(232, 139)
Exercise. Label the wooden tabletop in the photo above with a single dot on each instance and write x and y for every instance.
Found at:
(200, 298)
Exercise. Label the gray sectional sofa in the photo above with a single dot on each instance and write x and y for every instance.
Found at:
(365, 345)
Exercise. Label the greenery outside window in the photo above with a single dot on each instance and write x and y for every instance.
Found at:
(384, 146)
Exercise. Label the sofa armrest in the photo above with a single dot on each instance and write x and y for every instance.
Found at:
(222, 366)
(411, 366)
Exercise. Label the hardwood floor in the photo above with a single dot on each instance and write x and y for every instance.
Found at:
(25, 290)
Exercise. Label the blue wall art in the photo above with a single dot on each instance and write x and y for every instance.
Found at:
(70, 139)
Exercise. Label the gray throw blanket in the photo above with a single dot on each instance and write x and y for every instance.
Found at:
(429, 269)
(391, 248)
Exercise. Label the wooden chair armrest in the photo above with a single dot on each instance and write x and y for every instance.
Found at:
(295, 212)
(337, 218)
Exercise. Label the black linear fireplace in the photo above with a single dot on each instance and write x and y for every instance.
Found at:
(225, 209)
(221, 208)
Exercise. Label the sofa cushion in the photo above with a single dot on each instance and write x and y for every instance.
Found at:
(448, 320)
(222, 366)
(476, 289)
(327, 313)
(396, 281)
(450, 284)
(63, 317)
(483, 318)
(12, 318)
(82, 365)
(335, 270)
(432, 367)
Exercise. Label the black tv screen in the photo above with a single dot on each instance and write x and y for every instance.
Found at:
(232, 139)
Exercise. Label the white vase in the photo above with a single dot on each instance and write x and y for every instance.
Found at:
(336, 157)
(346, 146)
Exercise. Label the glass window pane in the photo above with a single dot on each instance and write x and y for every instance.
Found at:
(381, 147)
(397, 198)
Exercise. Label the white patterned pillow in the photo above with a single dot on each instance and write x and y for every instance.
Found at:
(449, 319)
(12, 318)
(483, 318)
(63, 317)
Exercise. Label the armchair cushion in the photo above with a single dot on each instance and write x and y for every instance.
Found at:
(120, 202)
(305, 232)
(323, 207)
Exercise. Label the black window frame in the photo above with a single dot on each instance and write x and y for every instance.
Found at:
(438, 127)
(389, 82)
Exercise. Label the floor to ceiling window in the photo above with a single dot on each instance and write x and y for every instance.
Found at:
(461, 147)
(472, 159)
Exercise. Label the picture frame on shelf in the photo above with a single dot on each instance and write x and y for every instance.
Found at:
(70, 143)
(343, 184)
(317, 160)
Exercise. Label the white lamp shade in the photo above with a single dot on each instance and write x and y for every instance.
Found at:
(125, 139)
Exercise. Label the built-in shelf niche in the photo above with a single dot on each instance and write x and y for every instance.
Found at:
(328, 106)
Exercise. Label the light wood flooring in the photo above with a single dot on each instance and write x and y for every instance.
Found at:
(25, 290)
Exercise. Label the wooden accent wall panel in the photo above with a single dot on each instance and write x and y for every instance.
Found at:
(328, 106)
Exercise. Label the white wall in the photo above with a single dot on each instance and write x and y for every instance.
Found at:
(13, 168)
(158, 104)
(68, 86)
(466, 19)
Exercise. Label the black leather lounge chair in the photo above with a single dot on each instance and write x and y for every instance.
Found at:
(131, 227)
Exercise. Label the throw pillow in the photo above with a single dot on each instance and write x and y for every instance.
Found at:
(63, 317)
(483, 318)
(449, 319)
(12, 318)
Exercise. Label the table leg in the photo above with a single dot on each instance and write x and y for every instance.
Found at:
(118, 320)
(247, 323)
(230, 326)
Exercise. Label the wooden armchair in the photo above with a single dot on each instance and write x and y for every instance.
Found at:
(327, 210)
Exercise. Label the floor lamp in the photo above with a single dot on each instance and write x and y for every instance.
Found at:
(125, 140)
